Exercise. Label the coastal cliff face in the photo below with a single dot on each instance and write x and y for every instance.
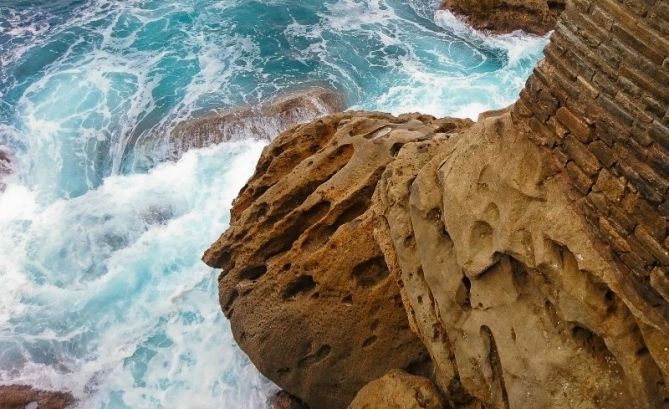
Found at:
(530, 250)
(504, 16)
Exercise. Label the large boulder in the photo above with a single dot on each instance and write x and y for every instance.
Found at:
(304, 284)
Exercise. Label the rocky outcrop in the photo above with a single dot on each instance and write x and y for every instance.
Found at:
(20, 397)
(505, 16)
(304, 284)
(504, 281)
(262, 122)
(530, 250)
(398, 390)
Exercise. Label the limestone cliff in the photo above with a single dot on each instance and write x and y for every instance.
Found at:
(530, 250)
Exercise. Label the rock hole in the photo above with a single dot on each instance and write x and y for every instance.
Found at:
(369, 341)
(395, 149)
(316, 357)
(642, 351)
(253, 273)
(284, 242)
(348, 300)
(463, 296)
(370, 272)
(302, 284)
(588, 340)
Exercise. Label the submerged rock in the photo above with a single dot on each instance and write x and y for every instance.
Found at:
(284, 400)
(398, 390)
(262, 122)
(22, 396)
(5, 166)
(505, 16)
(305, 286)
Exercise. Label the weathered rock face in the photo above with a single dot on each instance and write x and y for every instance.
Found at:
(505, 16)
(503, 279)
(283, 400)
(398, 390)
(20, 396)
(262, 122)
(304, 284)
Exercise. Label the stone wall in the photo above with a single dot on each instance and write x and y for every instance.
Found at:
(599, 102)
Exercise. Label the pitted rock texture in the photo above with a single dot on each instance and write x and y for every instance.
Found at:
(262, 122)
(304, 284)
(21, 396)
(398, 390)
(504, 282)
(284, 400)
(505, 16)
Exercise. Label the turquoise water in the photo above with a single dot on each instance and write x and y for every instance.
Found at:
(103, 290)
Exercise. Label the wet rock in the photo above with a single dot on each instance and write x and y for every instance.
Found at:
(305, 286)
(398, 390)
(5, 166)
(505, 16)
(21, 396)
(261, 122)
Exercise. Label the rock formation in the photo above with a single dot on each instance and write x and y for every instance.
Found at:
(20, 397)
(398, 390)
(304, 284)
(531, 250)
(505, 16)
(263, 121)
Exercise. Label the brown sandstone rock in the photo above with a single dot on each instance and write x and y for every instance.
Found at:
(20, 396)
(504, 16)
(398, 390)
(304, 284)
(262, 122)
(503, 280)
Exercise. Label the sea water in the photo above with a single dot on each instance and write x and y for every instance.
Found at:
(103, 290)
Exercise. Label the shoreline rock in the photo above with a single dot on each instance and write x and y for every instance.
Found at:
(22, 396)
(398, 390)
(504, 16)
(305, 286)
(260, 122)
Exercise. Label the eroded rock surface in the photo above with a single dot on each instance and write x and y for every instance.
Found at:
(398, 390)
(21, 396)
(304, 284)
(503, 280)
(505, 16)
